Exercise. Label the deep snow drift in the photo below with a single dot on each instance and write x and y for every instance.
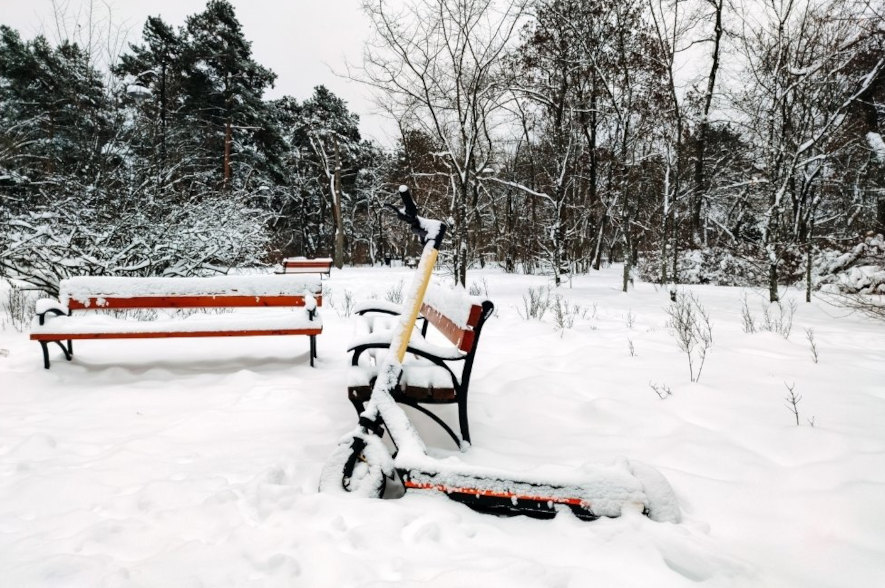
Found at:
(196, 462)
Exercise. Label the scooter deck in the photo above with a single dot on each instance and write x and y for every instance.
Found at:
(514, 497)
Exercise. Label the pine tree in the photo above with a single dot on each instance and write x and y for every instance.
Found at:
(53, 110)
(223, 88)
(331, 132)
(154, 74)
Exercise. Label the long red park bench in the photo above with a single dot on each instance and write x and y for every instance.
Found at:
(264, 305)
(302, 265)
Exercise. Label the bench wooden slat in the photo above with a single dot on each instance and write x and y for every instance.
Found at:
(292, 265)
(461, 338)
(308, 263)
(225, 301)
(172, 334)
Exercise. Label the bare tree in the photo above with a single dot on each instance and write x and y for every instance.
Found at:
(701, 175)
(437, 64)
(798, 87)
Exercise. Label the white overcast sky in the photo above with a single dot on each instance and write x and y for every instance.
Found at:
(306, 42)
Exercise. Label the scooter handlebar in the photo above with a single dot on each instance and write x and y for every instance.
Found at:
(409, 214)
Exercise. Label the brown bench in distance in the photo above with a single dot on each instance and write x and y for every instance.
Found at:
(438, 372)
(266, 305)
(302, 265)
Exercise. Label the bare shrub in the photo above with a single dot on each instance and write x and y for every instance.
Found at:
(395, 293)
(345, 306)
(749, 323)
(630, 319)
(348, 303)
(662, 390)
(793, 400)
(809, 335)
(565, 314)
(18, 307)
(778, 318)
(479, 288)
(692, 330)
(535, 304)
(872, 306)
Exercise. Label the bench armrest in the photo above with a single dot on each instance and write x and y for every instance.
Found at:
(49, 306)
(382, 306)
(417, 345)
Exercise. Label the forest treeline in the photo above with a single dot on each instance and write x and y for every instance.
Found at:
(553, 135)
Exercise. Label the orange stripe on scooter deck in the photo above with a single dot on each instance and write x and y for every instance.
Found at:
(494, 494)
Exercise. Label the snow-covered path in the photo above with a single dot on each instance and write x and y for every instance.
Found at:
(196, 462)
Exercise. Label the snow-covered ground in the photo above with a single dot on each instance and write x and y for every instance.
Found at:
(196, 462)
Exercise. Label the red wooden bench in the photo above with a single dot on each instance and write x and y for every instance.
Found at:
(438, 372)
(266, 305)
(302, 265)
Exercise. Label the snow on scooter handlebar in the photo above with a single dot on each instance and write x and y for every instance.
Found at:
(361, 464)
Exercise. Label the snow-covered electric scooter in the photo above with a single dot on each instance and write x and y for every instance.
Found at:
(362, 464)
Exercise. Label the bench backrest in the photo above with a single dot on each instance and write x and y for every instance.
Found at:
(295, 265)
(105, 293)
(456, 315)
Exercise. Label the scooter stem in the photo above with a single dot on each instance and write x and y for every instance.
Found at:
(428, 261)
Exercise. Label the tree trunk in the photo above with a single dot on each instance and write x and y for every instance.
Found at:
(628, 259)
(338, 255)
(772, 282)
(600, 237)
(700, 180)
(228, 139)
(880, 214)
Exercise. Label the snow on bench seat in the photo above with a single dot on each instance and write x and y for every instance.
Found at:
(90, 327)
(104, 292)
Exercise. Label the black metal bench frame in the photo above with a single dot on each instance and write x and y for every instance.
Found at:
(414, 396)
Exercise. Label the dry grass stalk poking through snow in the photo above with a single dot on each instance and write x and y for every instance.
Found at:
(479, 288)
(19, 307)
(345, 308)
(692, 329)
(630, 319)
(395, 293)
(535, 304)
(565, 314)
(662, 390)
(776, 317)
(793, 399)
(747, 319)
(781, 321)
(809, 334)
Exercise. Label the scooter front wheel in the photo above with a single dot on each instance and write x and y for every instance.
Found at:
(359, 465)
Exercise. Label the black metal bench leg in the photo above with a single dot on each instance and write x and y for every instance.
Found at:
(358, 405)
(434, 418)
(45, 348)
(462, 419)
(70, 349)
(66, 349)
(313, 349)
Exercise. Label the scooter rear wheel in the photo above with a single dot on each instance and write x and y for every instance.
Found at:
(359, 466)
